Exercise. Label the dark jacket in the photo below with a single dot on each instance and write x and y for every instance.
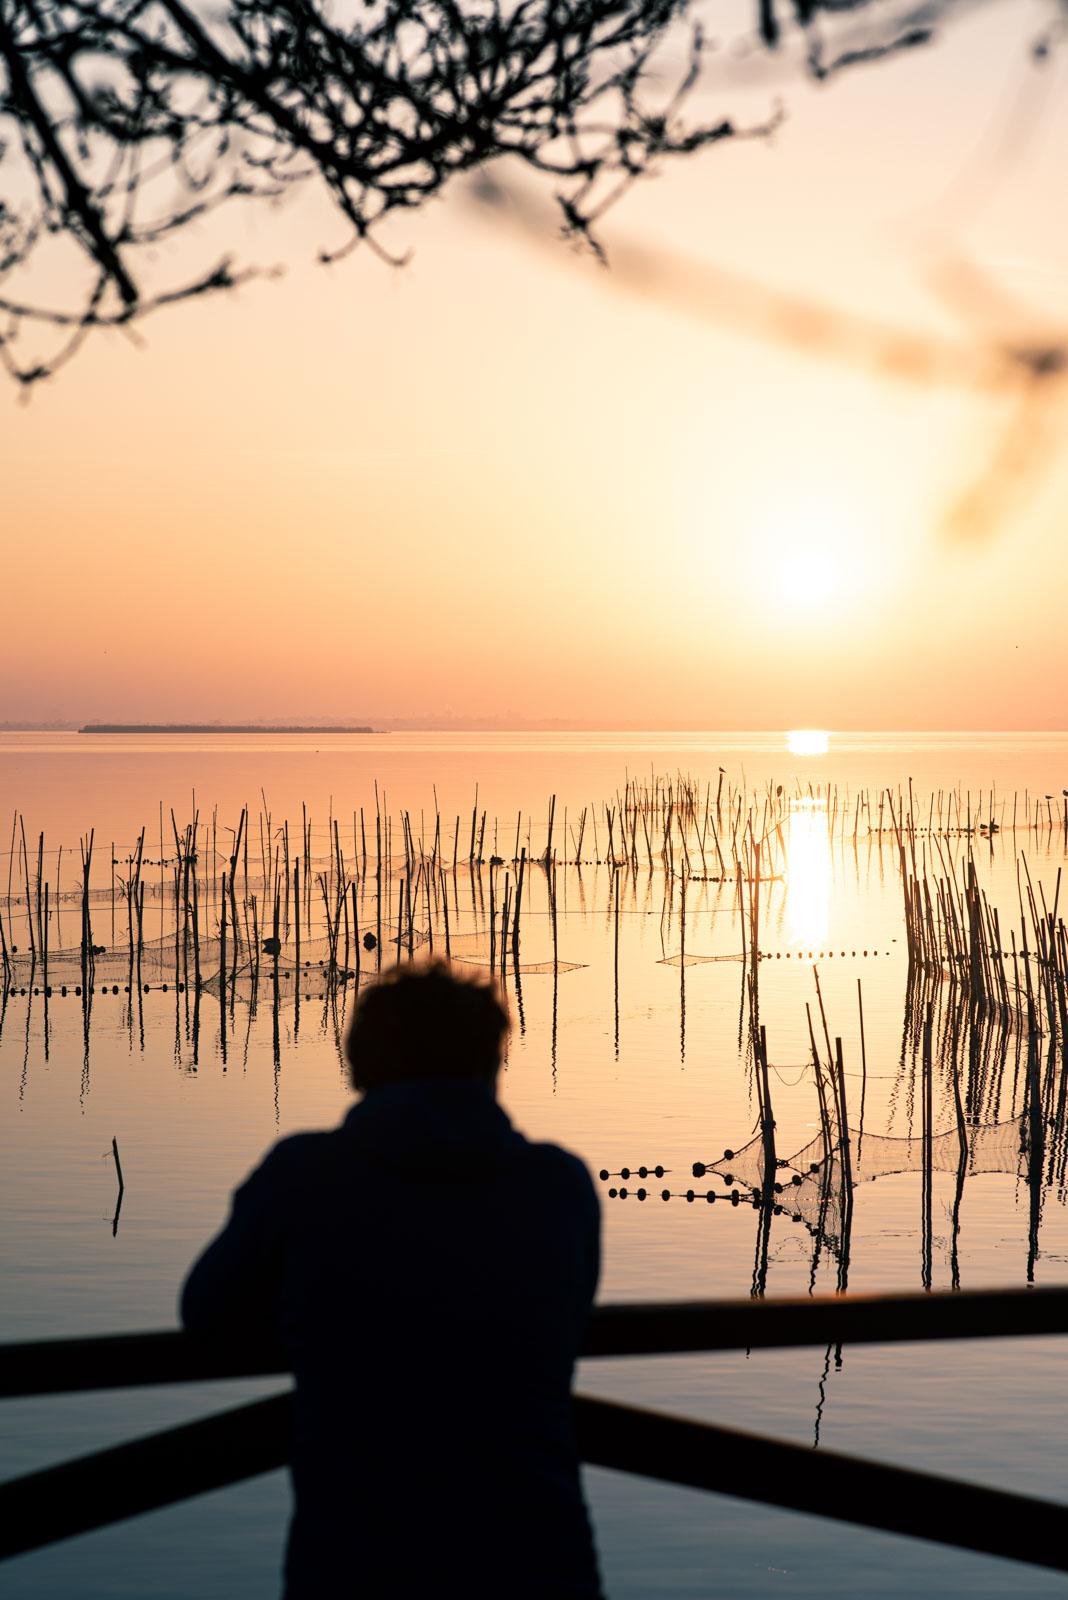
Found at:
(429, 1273)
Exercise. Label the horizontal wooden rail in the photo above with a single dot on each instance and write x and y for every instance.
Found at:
(677, 1327)
(145, 1474)
(128, 1360)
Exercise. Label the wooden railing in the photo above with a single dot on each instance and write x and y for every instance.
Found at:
(159, 1469)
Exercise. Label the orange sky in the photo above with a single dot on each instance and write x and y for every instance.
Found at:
(496, 481)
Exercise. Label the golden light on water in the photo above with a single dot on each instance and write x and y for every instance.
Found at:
(808, 873)
(808, 741)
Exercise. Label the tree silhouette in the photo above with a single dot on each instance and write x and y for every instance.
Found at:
(125, 122)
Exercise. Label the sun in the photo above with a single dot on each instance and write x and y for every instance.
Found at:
(809, 578)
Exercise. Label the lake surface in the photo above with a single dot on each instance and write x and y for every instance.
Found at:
(631, 1045)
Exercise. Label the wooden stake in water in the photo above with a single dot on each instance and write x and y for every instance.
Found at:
(518, 908)
(296, 918)
(222, 956)
(122, 1186)
(863, 1071)
(355, 934)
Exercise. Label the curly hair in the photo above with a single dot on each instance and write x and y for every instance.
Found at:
(425, 1021)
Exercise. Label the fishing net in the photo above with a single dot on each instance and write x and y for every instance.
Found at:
(473, 950)
(811, 1184)
(171, 959)
(689, 960)
(991, 1147)
(109, 965)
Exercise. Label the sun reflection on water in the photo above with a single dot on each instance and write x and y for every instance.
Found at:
(808, 741)
(808, 873)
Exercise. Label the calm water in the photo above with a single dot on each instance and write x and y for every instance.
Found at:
(633, 1061)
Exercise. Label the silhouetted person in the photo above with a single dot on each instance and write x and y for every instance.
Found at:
(429, 1273)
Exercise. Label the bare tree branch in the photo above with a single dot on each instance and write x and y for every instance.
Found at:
(125, 122)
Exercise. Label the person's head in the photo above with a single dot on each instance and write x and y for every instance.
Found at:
(425, 1021)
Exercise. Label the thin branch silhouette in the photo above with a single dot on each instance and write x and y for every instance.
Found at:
(1007, 352)
(124, 124)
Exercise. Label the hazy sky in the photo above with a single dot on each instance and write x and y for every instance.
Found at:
(500, 480)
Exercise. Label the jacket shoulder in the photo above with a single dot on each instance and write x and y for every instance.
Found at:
(556, 1165)
(295, 1153)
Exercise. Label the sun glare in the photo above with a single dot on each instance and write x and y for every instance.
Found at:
(809, 578)
(808, 873)
(808, 741)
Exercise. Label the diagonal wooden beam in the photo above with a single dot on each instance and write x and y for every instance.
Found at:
(159, 1469)
(823, 1483)
(145, 1474)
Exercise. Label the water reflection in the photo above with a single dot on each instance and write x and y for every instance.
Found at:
(808, 873)
(808, 741)
(186, 1135)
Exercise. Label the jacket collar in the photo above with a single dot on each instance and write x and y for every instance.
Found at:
(451, 1127)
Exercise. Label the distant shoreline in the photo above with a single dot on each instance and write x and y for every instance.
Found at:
(208, 727)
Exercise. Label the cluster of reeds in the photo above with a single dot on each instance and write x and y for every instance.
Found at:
(1003, 1089)
(953, 930)
(680, 825)
(232, 906)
